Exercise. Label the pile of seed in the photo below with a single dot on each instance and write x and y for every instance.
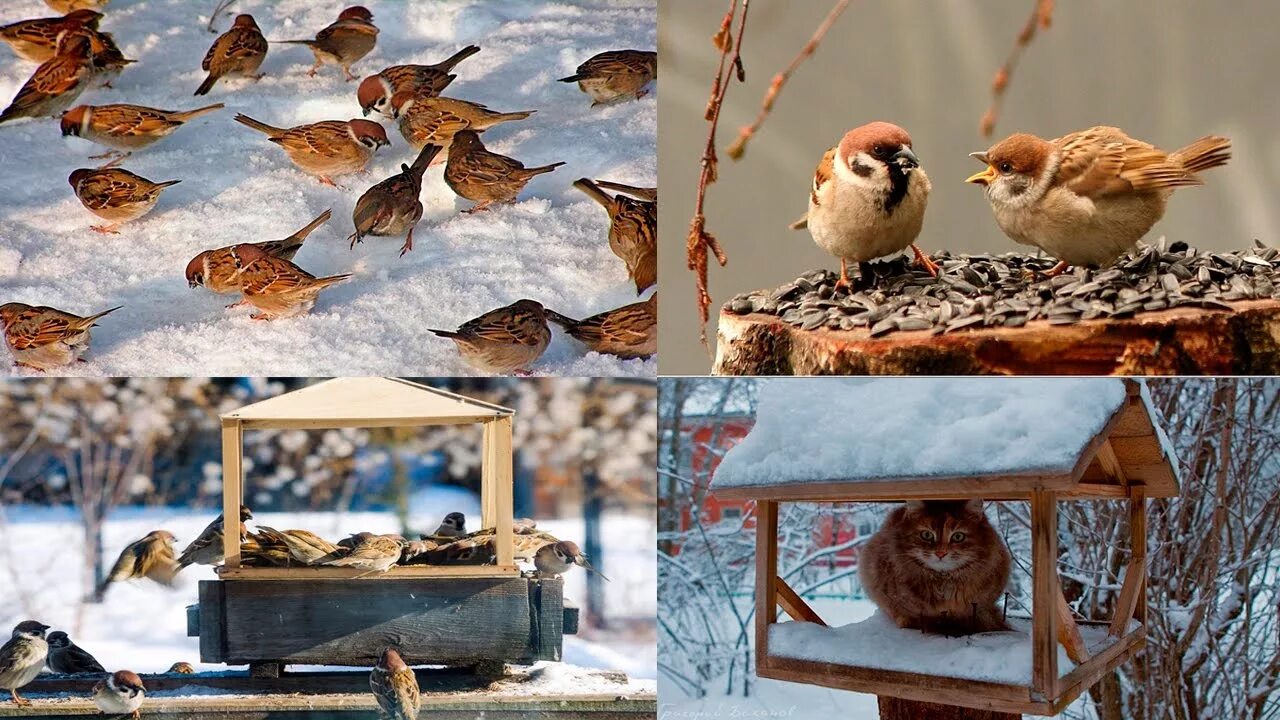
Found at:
(1010, 290)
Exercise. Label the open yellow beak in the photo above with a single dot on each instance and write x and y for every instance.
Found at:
(983, 178)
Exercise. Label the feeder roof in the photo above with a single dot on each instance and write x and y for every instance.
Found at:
(365, 402)
(903, 438)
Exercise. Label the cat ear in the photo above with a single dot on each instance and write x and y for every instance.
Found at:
(974, 506)
(915, 505)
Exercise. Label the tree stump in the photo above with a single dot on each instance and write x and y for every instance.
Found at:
(1244, 340)
(897, 709)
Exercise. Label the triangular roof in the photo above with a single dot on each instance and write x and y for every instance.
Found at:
(905, 438)
(365, 402)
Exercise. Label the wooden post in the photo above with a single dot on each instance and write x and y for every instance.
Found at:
(502, 480)
(232, 491)
(488, 480)
(766, 575)
(1132, 604)
(1044, 593)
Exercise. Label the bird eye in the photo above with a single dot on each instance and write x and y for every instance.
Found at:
(928, 535)
(957, 537)
(1006, 167)
(878, 149)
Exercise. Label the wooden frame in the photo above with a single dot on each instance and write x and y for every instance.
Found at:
(450, 409)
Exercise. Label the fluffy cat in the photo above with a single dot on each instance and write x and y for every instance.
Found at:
(938, 567)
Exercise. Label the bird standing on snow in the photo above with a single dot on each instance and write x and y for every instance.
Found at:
(239, 51)
(615, 74)
(22, 657)
(68, 658)
(346, 40)
(485, 177)
(37, 40)
(120, 694)
(392, 206)
(44, 338)
(633, 231)
(628, 332)
(55, 84)
(375, 91)
(505, 340)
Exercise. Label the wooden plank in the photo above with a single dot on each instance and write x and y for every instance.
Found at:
(335, 622)
(1044, 593)
(1135, 574)
(488, 469)
(837, 490)
(547, 613)
(213, 632)
(1096, 490)
(1110, 463)
(232, 491)
(503, 490)
(794, 605)
(1086, 675)
(369, 422)
(766, 577)
(892, 708)
(1068, 632)
(1144, 450)
(397, 572)
(910, 686)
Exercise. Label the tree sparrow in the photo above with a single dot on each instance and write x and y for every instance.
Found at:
(181, 668)
(1088, 197)
(375, 553)
(325, 149)
(392, 207)
(120, 694)
(108, 61)
(239, 52)
(44, 338)
(615, 74)
(436, 120)
(125, 128)
(116, 195)
(277, 287)
(630, 331)
(633, 232)
(558, 557)
(68, 658)
(453, 525)
(395, 687)
(304, 546)
(55, 84)
(344, 42)
(37, 40)
(868, 198)
(375, 91)
(504, 340)
(206, 549)
(66, 6)
(219, 269)
(151, 557)
(648, 194)
(486, 177)
(22, 657)
(264, 550)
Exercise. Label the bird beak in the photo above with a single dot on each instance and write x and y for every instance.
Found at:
(906, 158)
(987, 175)
(365, 111)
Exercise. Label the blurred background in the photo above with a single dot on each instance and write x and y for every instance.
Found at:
(87, 466)
(1166, 72)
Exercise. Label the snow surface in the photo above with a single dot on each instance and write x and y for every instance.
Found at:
(142, 626)
(552, 246)
(1166, 445)
(811, 430)
(999, 657)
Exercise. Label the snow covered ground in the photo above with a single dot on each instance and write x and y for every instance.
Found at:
(142, 625)
(237, 187)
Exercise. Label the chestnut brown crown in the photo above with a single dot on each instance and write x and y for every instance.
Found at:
(1021, 153)
(363, 129)
(875, 135)
(245, 20)
(356, 12)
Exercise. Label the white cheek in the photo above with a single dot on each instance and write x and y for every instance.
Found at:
(878, 179)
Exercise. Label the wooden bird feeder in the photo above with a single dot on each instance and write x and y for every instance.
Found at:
(1125, 458)
(438, 615)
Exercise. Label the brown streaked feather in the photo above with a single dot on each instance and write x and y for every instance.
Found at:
(823, 173)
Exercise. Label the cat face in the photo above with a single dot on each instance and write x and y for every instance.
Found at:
(944, 536)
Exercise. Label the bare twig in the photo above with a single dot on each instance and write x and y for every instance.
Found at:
(739, 145)
(221, 6)
(1041, 18)
(701, 242)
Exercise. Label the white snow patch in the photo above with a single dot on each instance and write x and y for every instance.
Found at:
(881, 429)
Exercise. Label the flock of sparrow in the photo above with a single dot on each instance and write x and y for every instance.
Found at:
(152, 557)
(74, 55)
(1085, 198)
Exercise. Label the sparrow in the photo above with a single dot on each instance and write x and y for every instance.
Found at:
(120, 693)
(264, 550)
(349, 38)
(22, 658)
(37, 40)
(649, 194)
(151, 558)
(453, 525)
(56, 84)
(1087, 198)
(633, 232)
(395, 687)
(219, 269)
(238, 51)
(68, 658)
(375, 553)
(108, 60)
(206, 549)
(66, 6)
(436, 120)
(504, 340)
(558, 557)
(417, 552)
(115, 194)
(868, 198)
(125, 128)
(615, 74)
(181, 668)
(630, 331)
(44, 338)
(486, 177)
(277, 287)
(392, 206)
(374, 92)
(304, 546)
(350, 542)
(325, 149)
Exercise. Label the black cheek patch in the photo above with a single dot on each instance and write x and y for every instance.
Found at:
(859, 169)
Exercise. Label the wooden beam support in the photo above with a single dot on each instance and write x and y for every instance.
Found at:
(1110, 463)
(232, 491)
(766, 576)
(1044, 594)
(794, 605)
(1132, 603)
(1068, 632)
(503, 481)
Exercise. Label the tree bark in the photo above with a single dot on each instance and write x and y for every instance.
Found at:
(898, 709)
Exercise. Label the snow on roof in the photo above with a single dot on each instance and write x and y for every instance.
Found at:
(998, 657)
(371, 399)
(815, 430)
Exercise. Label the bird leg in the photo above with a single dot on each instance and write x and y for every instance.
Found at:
(106, 229)
(843, 282)
(346, 69)
(112, 163)
(355, 238)
(259, 316)
(314, 69)
(327, 181)
(924, 261)
(1057, 270)
(408, 243)
(237, 304)
(22, 702)
(479, 207)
